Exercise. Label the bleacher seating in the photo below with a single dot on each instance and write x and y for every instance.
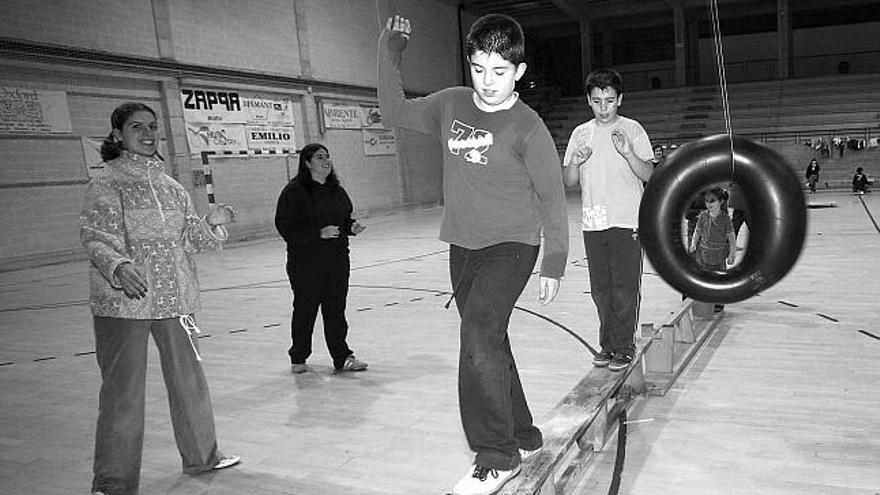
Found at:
(791, 106)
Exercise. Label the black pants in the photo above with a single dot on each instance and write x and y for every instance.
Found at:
(494, 413)
(319, 279)
(614, 259)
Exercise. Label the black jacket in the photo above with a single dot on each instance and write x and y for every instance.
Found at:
(302, 212)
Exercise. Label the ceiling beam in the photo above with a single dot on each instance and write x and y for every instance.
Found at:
(573, 9)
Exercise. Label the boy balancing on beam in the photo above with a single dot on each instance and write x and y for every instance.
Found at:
(502, 184)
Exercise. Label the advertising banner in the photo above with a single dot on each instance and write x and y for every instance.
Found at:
(215, 137)
(232, 107)
(270, 138)
(33, 111)
(341, 115)
(371, 117)
(267, 110)
(379, 142)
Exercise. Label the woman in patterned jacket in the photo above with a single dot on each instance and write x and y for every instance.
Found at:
(139, 229)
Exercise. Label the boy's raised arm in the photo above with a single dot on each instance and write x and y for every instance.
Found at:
(397, 111)
(542, 162)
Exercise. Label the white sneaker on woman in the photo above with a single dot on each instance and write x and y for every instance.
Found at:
(227, 460)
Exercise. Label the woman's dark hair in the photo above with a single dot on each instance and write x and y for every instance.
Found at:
(111, 148)
(304, 175)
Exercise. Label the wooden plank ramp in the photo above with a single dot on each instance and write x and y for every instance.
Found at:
(583, 421)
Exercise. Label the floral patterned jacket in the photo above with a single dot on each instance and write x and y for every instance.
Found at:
(134, 212)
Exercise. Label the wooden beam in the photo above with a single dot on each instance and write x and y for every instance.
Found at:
(785, 39)
(586, 47)
(573, 9)
(679, 26)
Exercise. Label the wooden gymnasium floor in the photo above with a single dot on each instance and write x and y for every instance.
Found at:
(784, 399)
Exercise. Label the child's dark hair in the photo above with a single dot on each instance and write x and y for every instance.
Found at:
(602, 79)
(497, 33)
(304, 175)
(719, 193)
(858, 170)
(111, 148)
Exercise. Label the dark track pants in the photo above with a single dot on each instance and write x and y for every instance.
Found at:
(494, 413)
(614, 258)
(319, 281)
(121, 350)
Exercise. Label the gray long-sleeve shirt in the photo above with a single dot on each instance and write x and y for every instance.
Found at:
(502, 181)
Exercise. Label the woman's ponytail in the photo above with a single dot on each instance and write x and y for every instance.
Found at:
(111, 148)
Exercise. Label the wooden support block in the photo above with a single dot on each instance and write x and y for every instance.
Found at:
(600, 423)
(636, 380)
(684, 327)
(703, 309)
(658, 357)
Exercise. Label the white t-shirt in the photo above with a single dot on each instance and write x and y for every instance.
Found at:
(610, 190)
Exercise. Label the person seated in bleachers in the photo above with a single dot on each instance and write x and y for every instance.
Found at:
(860, 182)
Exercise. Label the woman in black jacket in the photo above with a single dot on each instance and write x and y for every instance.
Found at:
(314, 218)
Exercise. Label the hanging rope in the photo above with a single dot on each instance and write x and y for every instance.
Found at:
(722, 78)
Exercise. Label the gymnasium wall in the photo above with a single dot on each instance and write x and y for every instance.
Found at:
(306, 51)
(817, 52)
(259, 36)
(101, 25)
(43, 177)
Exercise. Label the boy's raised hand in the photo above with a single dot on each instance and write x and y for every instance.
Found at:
(399, 26)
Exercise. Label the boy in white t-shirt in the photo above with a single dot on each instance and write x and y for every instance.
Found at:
(610, 157)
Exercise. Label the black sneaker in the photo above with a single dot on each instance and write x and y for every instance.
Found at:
(602, 359)
(621, 361)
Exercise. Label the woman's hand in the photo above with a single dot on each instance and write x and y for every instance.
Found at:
(220, 214)
(357, 228)
(133, 282)
(329, 232)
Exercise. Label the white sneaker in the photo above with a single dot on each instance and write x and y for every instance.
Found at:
(525, 454)
(227, 460)
(483, 481)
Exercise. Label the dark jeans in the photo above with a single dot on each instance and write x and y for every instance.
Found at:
(319, 279)
(494, 413)
(121, 350)
(614, 259)
(710, 266)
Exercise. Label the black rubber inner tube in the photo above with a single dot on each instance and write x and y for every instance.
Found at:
(777, 219)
